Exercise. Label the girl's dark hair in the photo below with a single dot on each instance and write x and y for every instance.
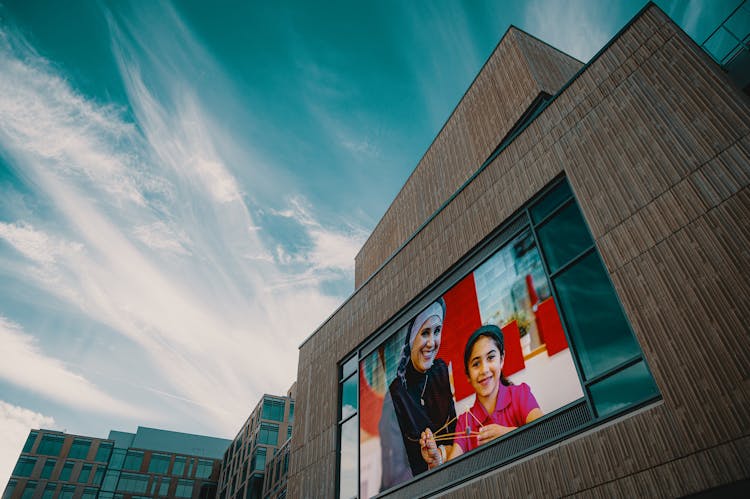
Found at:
(488, 331)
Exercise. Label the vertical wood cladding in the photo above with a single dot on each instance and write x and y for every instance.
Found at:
(655, 142)
(518, 70)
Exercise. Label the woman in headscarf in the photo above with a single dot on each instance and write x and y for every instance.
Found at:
(419, 398)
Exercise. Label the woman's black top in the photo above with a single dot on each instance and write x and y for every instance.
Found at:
(413, 417)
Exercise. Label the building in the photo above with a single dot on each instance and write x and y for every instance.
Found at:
(147, 463)
(245, 463)
(55, 464)
(598, 216)
(277, 470)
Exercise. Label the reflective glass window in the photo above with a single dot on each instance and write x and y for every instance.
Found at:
(67, 492)
(83, 476)
(596, 323)
(179, 466)
(624, 388)
(349, 367)
(50, 445)
(24, 466)
(103, 452)
(184, 488)
(66, 471)
(132, 482)
(291, 412)
(79, 449)
(204, 468)
(564, 237)
(30, 441)
(9, 489)
(118, 458)
(273, 409)
(159, 463)
(49, 491)
(268, 434)
(348, 398)
(164, 486)
(110, 480)
(106, 495)
(554, 198)
(258, 462)
(88, 493)
(348, 462)
(49, 465)
(133, 460)
(99, 474)
(29, 490)
(289, 431)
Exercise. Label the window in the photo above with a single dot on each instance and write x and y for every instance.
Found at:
(49, 491)
(184, 488)
(49, 465)
(99, 474)
(24, 466)
(273, 409)
(66, 471)
(348, 429)
(79, 449)
(83, 476)
(164, 486)
(88, 493)
(103, 452)
(179, 466)
(133, 460)
(540, 284)
(110, 480)
(289, 431)
(268, 434)
(133, 482)
(67, 492)
(9, 489)
(50, 445)
(118, 458)
(30, 441)
(204, 469)
(28, 491)
(258, 462)
(291, 411)
(159, 463)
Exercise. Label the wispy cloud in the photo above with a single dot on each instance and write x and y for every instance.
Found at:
(25, 365)
(15, 423)
(152, 236)
(576, 27)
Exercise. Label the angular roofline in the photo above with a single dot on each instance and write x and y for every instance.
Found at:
(501, 147)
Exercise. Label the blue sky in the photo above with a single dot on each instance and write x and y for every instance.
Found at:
(183, 187)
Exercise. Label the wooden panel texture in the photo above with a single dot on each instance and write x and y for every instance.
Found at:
(655, 142)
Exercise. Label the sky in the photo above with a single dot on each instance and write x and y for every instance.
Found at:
(184, 186)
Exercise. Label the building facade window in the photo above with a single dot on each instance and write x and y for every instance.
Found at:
(273, 409)
(133, 460)
(540, 285)
(348, 429)
(88, 493)
(29, 490)
(133, 483)
(67, 492)
(30, 441)
(51, 445)
(204, 468)
(178, 469)
(184, 488)
(49, 491)
(79, 449)
(24, 466)
(159, 463)
(164, 486)
(49, 465)
(258, 462)
(268, 434)
(103, 452)
(66, 471)
(83, 476)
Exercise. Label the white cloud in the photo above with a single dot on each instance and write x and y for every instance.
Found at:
(573, 26)
(160, 236)
(15, 424)
(24, 365)
(36, 245)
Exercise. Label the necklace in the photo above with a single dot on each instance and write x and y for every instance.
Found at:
(421, 397)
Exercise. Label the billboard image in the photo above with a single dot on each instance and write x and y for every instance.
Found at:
(485, 358)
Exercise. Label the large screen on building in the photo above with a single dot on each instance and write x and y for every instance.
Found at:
(487, 357)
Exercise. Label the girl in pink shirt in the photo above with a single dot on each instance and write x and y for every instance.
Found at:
(500, 406)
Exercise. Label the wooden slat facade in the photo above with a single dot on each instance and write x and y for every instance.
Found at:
(655, 142)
